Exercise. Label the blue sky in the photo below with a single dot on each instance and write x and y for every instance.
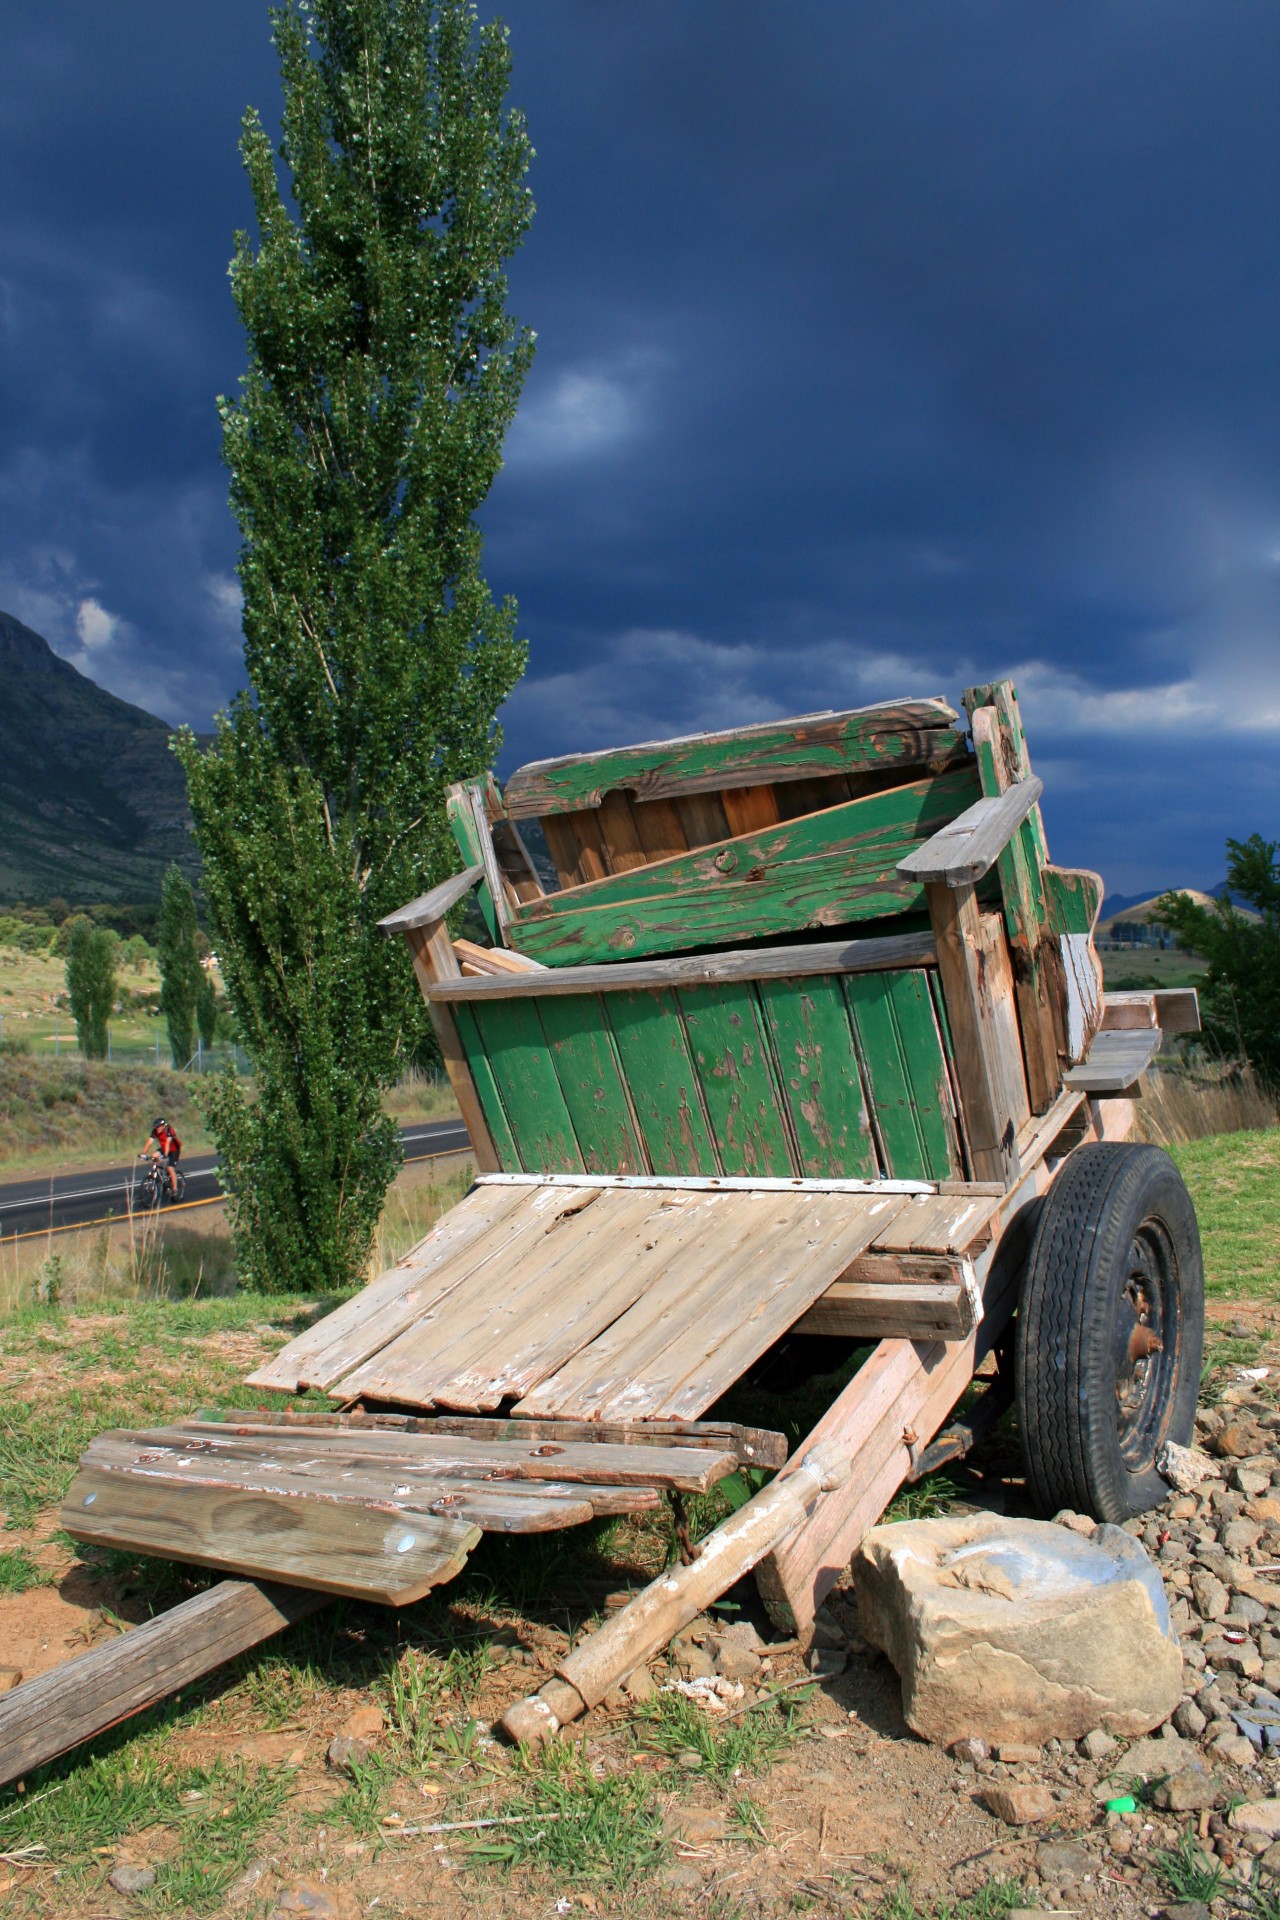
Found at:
(880, 349)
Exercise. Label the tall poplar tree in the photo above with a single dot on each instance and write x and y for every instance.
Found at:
(181, 975)
(384, 370)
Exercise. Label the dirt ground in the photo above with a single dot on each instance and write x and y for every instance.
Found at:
(818, 1801)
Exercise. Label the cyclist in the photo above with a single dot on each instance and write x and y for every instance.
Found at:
(167, 1147)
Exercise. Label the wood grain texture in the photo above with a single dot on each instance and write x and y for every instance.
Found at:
(813, 744)
(808, 1022)
(300, 1539)
(904, 1071)
(740, 1093)
(434, 961)
(867, 1310)
(977, 1035)
(801, 960)
(85, 1695)
(966, 849)
(825, 869)
(1115, 1062)
(430, 908)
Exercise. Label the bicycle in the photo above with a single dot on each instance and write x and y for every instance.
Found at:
(154, 1189)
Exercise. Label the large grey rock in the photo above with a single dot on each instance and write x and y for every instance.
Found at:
(1019, 1630)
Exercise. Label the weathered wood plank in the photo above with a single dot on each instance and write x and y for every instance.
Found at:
(900, 1050)
(380, 1453)
(434, 960)
(505, 1151)
(469, 822)
(512, 1042)
(740, 1096)
(881, 954)
(487, 960)
(947, 1223)
(663, 1081)
(812, 744)
(303, 1541)
(84, 1696)
(982, 1075)
(576, 845)
(825, 869)
(865, 1310)
(481, 1347)
(430, 908)
(590, 1076)
(818, 1068)
(968, 847)
(387, 1487)
(1115, 1062)
(708, 1364)
(748, 1446)
(320, 1355)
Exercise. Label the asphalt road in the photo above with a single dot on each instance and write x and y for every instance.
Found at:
(55, 1202)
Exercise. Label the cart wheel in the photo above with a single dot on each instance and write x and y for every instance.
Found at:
(1110, 1331)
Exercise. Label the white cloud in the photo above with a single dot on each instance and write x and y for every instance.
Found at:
(95, 627)
(584, 413)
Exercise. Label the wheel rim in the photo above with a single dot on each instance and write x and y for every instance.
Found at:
(1148, 1337)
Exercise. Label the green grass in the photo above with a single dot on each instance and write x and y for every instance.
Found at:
(19, 1572)
(673, 1724)
(1234, 1180)
(1189, 1873)
(577, 1824)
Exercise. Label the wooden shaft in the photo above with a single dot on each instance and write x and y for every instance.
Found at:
(81, 1698)
(989, 1126)
(434, 960)
(677, 1596)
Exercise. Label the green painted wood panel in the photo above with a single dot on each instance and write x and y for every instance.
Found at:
(591, 1081)
(911, 730)
(902, 1056)
(663, 1080)
(515, 1045)
(822, 870)
(739, 1091)
(487, 1090)
(813, 1045)
(466, 835)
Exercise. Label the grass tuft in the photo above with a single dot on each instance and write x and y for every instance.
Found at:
(672, 1724)
(1189, 1873)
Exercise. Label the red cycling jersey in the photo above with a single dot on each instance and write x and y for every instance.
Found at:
(167, 1141)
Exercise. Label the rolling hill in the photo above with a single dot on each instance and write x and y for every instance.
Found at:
(93, 805)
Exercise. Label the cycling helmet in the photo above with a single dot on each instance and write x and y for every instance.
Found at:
(157, 1124)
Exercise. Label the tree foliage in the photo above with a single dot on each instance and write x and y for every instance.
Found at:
(91, 983)
(1240, 998)
(383, 372)
(181, 975)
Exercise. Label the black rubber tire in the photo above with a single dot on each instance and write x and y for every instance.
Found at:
(1117, 1231)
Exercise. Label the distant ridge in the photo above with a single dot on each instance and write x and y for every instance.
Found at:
(93, 806)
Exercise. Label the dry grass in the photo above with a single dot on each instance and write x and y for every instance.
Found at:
(1200, 1099)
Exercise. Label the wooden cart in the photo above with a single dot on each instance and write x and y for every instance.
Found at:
(791, 1032)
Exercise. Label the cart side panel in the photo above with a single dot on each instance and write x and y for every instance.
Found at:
(777, 1078)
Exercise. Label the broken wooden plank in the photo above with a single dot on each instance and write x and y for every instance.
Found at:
(750, 1446)
(1177, 1009)
(799, 961)
(824, 869)
(812, 744)
(968, 847)
(93, 1691)
(307, 1542)
(949, 1223)
(1115, 1062)
(323, 1450)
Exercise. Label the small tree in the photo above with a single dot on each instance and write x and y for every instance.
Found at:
(136, 952)
(91, 984)
(181, 976)
(1240, 999)
(383, 372)
(207, 1009)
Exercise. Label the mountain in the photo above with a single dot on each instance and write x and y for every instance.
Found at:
(93, 805)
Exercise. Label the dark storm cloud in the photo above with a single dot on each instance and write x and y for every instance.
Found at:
(879, 349)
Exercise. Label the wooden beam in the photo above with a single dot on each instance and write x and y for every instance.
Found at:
(982, 1076)
(867, 1310)
(85, 1696)
(430, 908)
(967, 848)
(435, 962)
(904, 733)
(884, 954)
